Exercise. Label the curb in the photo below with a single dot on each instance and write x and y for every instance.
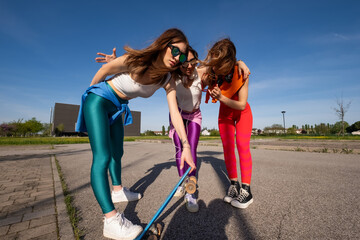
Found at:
(64, 225)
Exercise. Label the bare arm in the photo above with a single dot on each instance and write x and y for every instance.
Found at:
(243, 69)
(116, 66)
(235, 104)
(178, 123)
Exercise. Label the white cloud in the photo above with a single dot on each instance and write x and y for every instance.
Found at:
(334, 38)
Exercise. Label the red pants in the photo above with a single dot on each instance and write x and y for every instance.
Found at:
(233, 121)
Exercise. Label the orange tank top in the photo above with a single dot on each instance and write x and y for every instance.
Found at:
(228, 89)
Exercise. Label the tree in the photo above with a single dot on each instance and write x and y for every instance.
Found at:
(149, 133)
(322, 129)
(6, 129)
(354, 127)
(46, 129)
(214, 132)
(340, 111)
(163, 130)
(17, 127)
(32, 126)
(292, 130)
(337, 127)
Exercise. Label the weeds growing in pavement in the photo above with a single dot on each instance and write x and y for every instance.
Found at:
(71, 210)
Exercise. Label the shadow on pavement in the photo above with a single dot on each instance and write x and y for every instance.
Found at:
(17, 157)
(211, 221)
(142, 184)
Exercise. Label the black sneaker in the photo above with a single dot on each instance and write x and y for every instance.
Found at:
(244, 199)
(233, 191)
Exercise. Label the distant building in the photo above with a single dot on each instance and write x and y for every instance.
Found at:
(256, 131)
(274, 131)
(205, 133)
(160, 133)
(65, 117)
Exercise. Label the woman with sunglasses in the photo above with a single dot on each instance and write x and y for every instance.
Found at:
(231, 89)
(188, 96)
(138, 73)
(189, 88)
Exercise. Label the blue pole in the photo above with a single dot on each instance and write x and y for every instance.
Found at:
(164, 205)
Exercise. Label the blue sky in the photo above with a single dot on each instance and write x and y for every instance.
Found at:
(303, 55)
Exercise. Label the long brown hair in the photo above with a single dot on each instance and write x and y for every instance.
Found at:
(221, 56)
(142, 60)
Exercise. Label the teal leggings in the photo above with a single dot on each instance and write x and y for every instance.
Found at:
(107, 147)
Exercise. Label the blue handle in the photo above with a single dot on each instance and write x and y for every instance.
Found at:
(164, 205)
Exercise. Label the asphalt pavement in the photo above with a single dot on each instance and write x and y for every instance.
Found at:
(297, 195)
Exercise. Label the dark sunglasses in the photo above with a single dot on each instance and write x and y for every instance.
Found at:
(175, 51)
(220, 79)
(193, 63)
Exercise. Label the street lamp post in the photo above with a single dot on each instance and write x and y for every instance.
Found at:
(283, 112)
(51, 116)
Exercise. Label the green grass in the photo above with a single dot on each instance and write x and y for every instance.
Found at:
(308, 137)
(75, 140)
(42, 140)
(47, 140)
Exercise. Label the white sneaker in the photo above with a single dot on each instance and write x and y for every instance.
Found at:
(191, 203)
(124, 195)
(118, 227)
(180, 191)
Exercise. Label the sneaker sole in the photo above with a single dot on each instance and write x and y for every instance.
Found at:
(227, 199)
(242, 206)
(114, 201)
(112, 236)
(131, 200)
(192, 210)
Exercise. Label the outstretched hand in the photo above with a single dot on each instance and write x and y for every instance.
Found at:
(106, 58)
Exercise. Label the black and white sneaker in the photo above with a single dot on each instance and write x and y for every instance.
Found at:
(244, 199)
(232, 192)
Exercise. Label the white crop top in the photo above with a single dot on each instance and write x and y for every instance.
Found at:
(131, 89)
(189, 99)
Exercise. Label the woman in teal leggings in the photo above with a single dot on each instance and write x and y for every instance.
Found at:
(107, 146)
(139, 73)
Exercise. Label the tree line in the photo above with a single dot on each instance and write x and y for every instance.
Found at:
(339, 128)
(28, 128)
(33, 127)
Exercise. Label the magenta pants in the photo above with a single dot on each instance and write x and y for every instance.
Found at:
(193, 133)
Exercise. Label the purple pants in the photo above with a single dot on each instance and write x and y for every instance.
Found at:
(193, 133)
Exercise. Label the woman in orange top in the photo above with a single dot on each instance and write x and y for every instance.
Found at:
(235, 116)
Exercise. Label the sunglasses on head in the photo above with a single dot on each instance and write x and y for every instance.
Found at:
(175, 51)
(193, 62)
